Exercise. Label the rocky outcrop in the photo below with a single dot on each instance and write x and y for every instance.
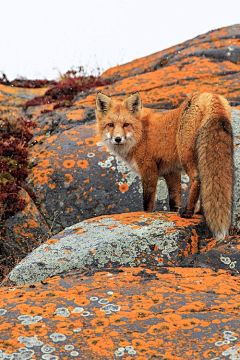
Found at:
(132, 313)
(73, 175)
(136, 240)
(133, 284)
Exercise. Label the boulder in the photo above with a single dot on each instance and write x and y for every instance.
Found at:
(132, 313)
(148, 240)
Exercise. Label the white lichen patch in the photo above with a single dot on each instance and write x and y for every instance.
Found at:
(57, 337)
(228, 338)
(233, 352)
(47, 349)
(77, 310)
(23, 354)
(50, 357)
(28, 319)
(86, 314)
(77, 330)
(64, 312)
(106, 163)
(103, 301)
(227, 261)
(90, 155)
(2, 312)
(128, 349)
(30, 341)
(109, 308)
(74, 353)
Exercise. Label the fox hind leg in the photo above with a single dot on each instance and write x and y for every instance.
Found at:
(173, 181)
(188, 211)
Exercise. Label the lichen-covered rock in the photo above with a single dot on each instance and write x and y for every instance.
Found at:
(130, 313)
(209, 62)
(224, 256)
(26, 229)
(12, 100)
(220, 44)
(150, 240)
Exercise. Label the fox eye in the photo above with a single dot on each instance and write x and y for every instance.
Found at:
(126, 124)
(110, 125)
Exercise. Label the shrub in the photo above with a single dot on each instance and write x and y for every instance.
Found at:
(14, 138)
(63, 92)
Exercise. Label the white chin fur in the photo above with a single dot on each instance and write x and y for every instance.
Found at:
(121, 149)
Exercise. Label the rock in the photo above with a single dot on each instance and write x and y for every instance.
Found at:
(134, 239)
(224, 256)
(26, 229)
(134, 313)
(12, 100)
(149, 240)
(208, 62)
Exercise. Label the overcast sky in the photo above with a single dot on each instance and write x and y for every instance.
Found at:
(42, 39)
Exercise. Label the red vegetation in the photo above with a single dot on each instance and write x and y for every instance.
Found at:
(14, 138)
(64, 91)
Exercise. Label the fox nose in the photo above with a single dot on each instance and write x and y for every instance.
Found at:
(118, 139)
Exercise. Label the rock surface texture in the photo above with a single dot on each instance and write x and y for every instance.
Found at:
(110, 281)
(128, 313)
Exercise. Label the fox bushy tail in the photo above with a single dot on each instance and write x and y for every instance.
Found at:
(214, 148)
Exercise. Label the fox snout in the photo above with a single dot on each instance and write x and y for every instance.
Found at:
(118, 140)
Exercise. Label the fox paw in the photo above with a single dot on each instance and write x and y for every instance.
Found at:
(184, 213)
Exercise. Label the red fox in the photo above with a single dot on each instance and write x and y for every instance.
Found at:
(196, 138)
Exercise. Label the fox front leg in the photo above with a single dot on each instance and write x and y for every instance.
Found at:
(149, 181)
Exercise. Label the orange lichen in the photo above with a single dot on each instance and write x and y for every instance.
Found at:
(52, 186)
(68, 178)
(82, 164)
(52, 241)
(91, 141)
(69, 163)
(123, 188)
(141, 306)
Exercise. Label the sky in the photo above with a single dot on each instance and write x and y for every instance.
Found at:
(44, 39)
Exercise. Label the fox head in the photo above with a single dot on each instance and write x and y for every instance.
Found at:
(119, 123)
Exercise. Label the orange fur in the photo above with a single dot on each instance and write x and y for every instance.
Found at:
(196, 137)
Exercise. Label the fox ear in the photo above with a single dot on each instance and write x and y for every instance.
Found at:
(134, 102)
(103, 103)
